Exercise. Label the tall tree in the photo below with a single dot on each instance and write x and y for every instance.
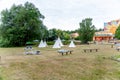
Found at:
(52, 34)
(86, 30)
(20, 24)
(44, 33)
(55, 33)
(117, 32)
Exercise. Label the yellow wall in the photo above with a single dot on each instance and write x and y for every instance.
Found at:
(113, 29)
(112, 26)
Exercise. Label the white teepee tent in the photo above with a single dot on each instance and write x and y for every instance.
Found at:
(41, 44)
(72, 44)
(58, 43)
(45, 44)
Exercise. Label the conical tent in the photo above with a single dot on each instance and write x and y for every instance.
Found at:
(57, 44)
(60, 42)
(45, 44)
(41, 44)
(72, 44)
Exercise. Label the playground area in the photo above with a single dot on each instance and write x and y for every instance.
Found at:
(51, 65)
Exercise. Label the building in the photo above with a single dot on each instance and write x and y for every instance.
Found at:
(111, 26)
(109, 31)
(103, 36)
(74, 35)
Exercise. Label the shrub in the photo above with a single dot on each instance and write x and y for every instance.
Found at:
(50, 43)
(66, 42)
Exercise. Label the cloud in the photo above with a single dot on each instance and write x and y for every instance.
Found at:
(66, 14)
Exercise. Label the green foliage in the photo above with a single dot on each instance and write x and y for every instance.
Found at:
(77, 38)
(117, 33)
(55, 33)
(50, 43)
(66, 42)
(77, 42)
(44, 33)
(86, 30)
(20, 24)
(52, 34)
(66, 36)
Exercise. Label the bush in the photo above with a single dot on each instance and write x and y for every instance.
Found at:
(77, 43)
(5, 43)
(50, 43)
(77, 38)
(66, 42)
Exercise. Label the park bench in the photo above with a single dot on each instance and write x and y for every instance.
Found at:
(65, 51)
(90, 50)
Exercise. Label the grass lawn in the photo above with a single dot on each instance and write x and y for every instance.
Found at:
(50, 65)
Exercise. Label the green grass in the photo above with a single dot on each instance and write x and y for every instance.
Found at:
(50, 65)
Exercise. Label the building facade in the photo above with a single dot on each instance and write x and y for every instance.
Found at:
(111, 26)
(103, 36)
(109, 31)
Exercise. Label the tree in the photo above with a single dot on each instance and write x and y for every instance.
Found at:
(100, 29)
(52, 34)
(66, 35)
(86, 30)
(44, 33)
(117, 32)
(55, 33)
(20, 24)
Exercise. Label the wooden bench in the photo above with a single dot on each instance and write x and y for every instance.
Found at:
(90, 50)
(65, 51)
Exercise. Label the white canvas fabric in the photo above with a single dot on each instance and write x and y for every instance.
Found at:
(57, 44)
(45, 44)
(60, 42)
(41, 44)
(72, 44)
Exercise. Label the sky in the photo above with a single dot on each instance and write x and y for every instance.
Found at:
(67, 14)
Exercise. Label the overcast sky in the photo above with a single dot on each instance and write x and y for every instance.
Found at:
(67, 14)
